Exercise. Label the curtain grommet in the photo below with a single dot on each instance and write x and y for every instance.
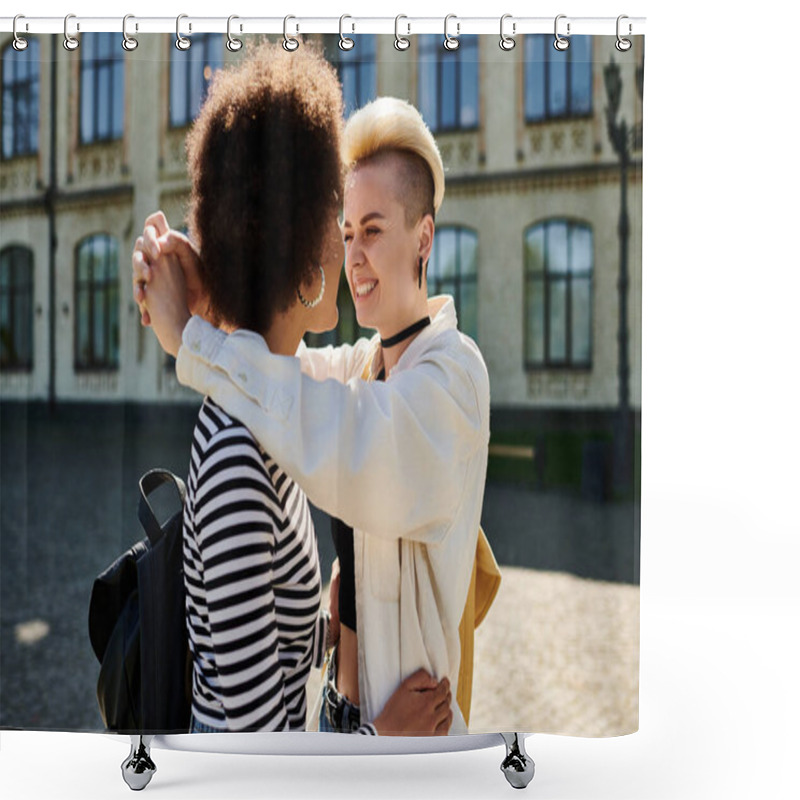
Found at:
(345, 43)
(507, 42)
(401, 42)
(451, 42)
(233, 44)
(129, 43)
(182, 42)
(20, 43)
(290, 44)
(560, 42)
(622, 44)
(70, 42)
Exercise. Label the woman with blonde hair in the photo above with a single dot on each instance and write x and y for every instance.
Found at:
(389, 435)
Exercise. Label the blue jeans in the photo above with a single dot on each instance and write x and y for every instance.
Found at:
(200, 727)
(338, 714)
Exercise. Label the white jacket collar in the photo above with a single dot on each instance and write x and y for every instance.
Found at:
(442, 310)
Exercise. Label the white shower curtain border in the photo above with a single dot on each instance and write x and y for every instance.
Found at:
(409, 26)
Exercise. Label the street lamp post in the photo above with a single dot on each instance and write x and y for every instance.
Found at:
(621, 137)
(50, 205)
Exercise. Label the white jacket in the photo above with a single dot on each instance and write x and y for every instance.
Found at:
(402, 461)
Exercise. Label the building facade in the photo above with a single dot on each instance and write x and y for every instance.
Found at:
(527, 238)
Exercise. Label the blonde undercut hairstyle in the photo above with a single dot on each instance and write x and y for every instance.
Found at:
(387, 127)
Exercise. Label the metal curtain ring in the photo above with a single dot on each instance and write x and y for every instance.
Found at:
(400, 42)
(290, 44)
(623, 45)
(70, 42)
(344, 42)
(19, 42)
(560, 43)
(450, 42)
(128, 42)
(233, 44)
(181, 42)
(507, 42)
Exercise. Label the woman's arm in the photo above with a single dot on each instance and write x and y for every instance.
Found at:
(166, 274)
(340, 363)
(160, 247)
(389, 458)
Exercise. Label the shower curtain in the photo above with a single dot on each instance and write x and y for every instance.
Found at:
(538, 241)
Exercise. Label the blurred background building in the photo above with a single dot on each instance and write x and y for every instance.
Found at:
(531, 240)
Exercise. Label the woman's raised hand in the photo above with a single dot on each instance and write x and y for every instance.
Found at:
(419, 707)
(166, 281)
(159, 286)
(145, 251)
(165, 300)
(157, 240)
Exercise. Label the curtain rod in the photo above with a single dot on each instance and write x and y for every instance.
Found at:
(404, 25)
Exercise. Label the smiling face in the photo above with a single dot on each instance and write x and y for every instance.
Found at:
(382, 250)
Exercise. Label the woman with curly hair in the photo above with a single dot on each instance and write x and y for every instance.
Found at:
(264, 161)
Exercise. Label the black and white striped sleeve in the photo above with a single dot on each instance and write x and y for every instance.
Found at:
(367, 729)
(235, 515)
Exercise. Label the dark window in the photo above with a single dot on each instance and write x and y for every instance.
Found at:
(190, 73)
(559, 263)
(453, 269)
(21, 100)
(357, 73)
(97, 303)
(102, 87)
(16, 308)
(448, 83)
(558, 83)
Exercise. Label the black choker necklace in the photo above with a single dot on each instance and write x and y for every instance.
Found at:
(406, 332)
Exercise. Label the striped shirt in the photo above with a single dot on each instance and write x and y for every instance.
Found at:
(253, 583)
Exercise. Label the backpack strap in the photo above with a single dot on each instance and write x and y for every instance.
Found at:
(148, 483)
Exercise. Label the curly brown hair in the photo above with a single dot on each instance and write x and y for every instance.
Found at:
(266, 173)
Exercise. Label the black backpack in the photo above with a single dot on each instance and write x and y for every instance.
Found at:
(137, 626)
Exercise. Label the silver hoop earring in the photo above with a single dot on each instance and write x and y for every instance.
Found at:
(316, 301)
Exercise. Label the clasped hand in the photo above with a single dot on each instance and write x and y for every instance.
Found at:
(166, 281)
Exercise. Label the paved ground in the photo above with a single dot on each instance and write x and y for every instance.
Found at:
(558, 651)
(558, 654)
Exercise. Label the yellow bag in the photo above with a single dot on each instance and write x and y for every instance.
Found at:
(482, 590)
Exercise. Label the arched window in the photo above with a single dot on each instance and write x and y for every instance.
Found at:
(190, 73)
(97, 303)
(102, 87)
(453, 269)
(357, 73)
(21, 100)
(16, 308)
(448, 84)
(559, 264)
(558, 83)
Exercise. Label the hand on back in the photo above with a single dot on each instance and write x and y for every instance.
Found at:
(419, 707)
